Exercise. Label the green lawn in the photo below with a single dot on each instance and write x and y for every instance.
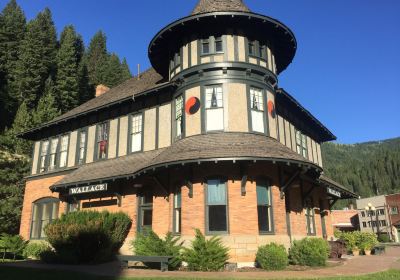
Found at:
(12, 273)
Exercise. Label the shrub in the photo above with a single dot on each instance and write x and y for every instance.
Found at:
(14, 244)
(310, 252)
(272, 257)
(351, 240)
(384, 238)
(86, 236)
(366, 240)
(150, 244)
(206, 255)
(36, 249)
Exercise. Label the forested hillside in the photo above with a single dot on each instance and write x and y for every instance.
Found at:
(42, 75)
(368, 168)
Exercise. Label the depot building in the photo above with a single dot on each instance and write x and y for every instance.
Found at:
(205, 139)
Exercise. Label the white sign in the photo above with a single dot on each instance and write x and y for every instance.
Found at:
(334, 192)
(88, 189)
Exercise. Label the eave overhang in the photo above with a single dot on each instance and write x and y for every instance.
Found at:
(287, 102)
(253, 25)
(329, 183)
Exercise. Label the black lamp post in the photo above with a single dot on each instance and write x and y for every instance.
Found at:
(370, 209)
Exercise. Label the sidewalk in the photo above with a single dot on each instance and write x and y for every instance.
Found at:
(354, 266)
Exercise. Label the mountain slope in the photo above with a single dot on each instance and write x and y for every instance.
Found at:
(367, 168)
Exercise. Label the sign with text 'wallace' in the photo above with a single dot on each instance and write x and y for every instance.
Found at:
(88, 189)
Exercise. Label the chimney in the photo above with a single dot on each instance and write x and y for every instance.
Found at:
(101, 89)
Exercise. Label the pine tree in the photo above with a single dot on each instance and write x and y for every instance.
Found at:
(126, 73)
(97, 58)
(112, 71)
(46, 109)
(37, 59)
(22, 122)
(67, 78)
(86, 89)
(12, 30)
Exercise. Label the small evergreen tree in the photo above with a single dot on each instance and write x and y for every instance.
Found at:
(126, 73)
(22, 122)
(46, 109)
(86, 89)
(97, 58)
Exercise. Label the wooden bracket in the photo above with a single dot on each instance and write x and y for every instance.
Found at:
(243, 174)
(189, 184)
(158, 182)
(333, 201)
(289, 183)
(307, 194)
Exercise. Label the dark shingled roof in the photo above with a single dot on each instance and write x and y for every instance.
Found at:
(209, 6)
(221, 146)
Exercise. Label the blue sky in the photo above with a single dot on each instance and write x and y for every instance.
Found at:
(346, 71)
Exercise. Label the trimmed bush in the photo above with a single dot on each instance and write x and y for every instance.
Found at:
(86, 236)
(36, 249)
(310, 252)
(367, 240)
(272, 257)
(206, 255)
(150, 244)
(384, 238)
(14, 244)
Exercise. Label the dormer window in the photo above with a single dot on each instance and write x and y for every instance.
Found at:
(205, 46)
(102, 140)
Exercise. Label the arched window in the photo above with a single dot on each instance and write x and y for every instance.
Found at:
(43, 212)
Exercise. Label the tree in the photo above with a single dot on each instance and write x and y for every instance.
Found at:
(67, 78)
(12, 30)
(46, 109)
(22, 122)
(37, 59)
(112, 71)
(97, 58)
(126, 73)
(86, 89)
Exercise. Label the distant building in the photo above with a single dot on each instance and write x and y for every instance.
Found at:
(345, 220)
(382, 215)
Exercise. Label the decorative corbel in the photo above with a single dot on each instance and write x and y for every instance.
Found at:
(244, 176)
(289, 182)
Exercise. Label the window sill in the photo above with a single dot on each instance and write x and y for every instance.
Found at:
(266, 233)
(217, 233)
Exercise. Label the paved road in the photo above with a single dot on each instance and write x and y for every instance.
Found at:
(354, 266)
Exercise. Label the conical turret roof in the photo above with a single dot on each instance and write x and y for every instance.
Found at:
(209, 6)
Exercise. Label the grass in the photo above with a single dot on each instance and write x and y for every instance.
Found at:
(12, 273)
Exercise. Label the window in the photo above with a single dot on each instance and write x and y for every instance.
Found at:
(394, 210)
(364, 224)
(177, 211)
(44, 153)
(102, 140)
(217, 218)
(252, 48)
(73, 206)
(177, 59)
(218, 45)
(178, 117)
(64, 150)
(53, 153)
(310, 218)
(136, 133)
(371, 213)
(214, 108)
(362, 213)
(369, 223)
(264, 207)
(382, 223)
(44, 211)
(301, 144)
(82, 147)
(257, 110)
(381, 212)
(205, 46)
(145, 212)
(261, 51)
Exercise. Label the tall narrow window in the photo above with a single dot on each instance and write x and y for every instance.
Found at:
(218, 45)
(82, 147)
(261, 51)
(43, 212)
(44, 153)
(264, 207)
(177, 59)
(102, 140)
(145, 212)
(136, 133)
(177, 211)
(216, 206)
(53, 153)
(64, 150)
(257, 110)
(310, 217)
(301, 144)
(214, 108)
(252, 48)
(178, 117)
(205, 46)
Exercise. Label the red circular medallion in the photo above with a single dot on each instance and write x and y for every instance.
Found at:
(271, 109)
(192, 105)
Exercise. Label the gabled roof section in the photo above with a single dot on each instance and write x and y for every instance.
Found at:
(286, 102)
(148, 80)
(209, 6)
(324, 180)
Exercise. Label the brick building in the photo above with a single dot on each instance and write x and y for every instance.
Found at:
(205, 139)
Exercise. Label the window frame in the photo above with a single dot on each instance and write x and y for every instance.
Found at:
(130, 133)
(206, 109)
(96, 151)
(175, 135)
(394, 210)
(78, 147)
(60, 150)
(176, 207)
(218, 39)
(207, 220)
(144, 206)
(56, 153)
(46, 156)
(302, 146)
(250, 109)
(310, 217)
(270, 206)
(202, 43)
(40, 203)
